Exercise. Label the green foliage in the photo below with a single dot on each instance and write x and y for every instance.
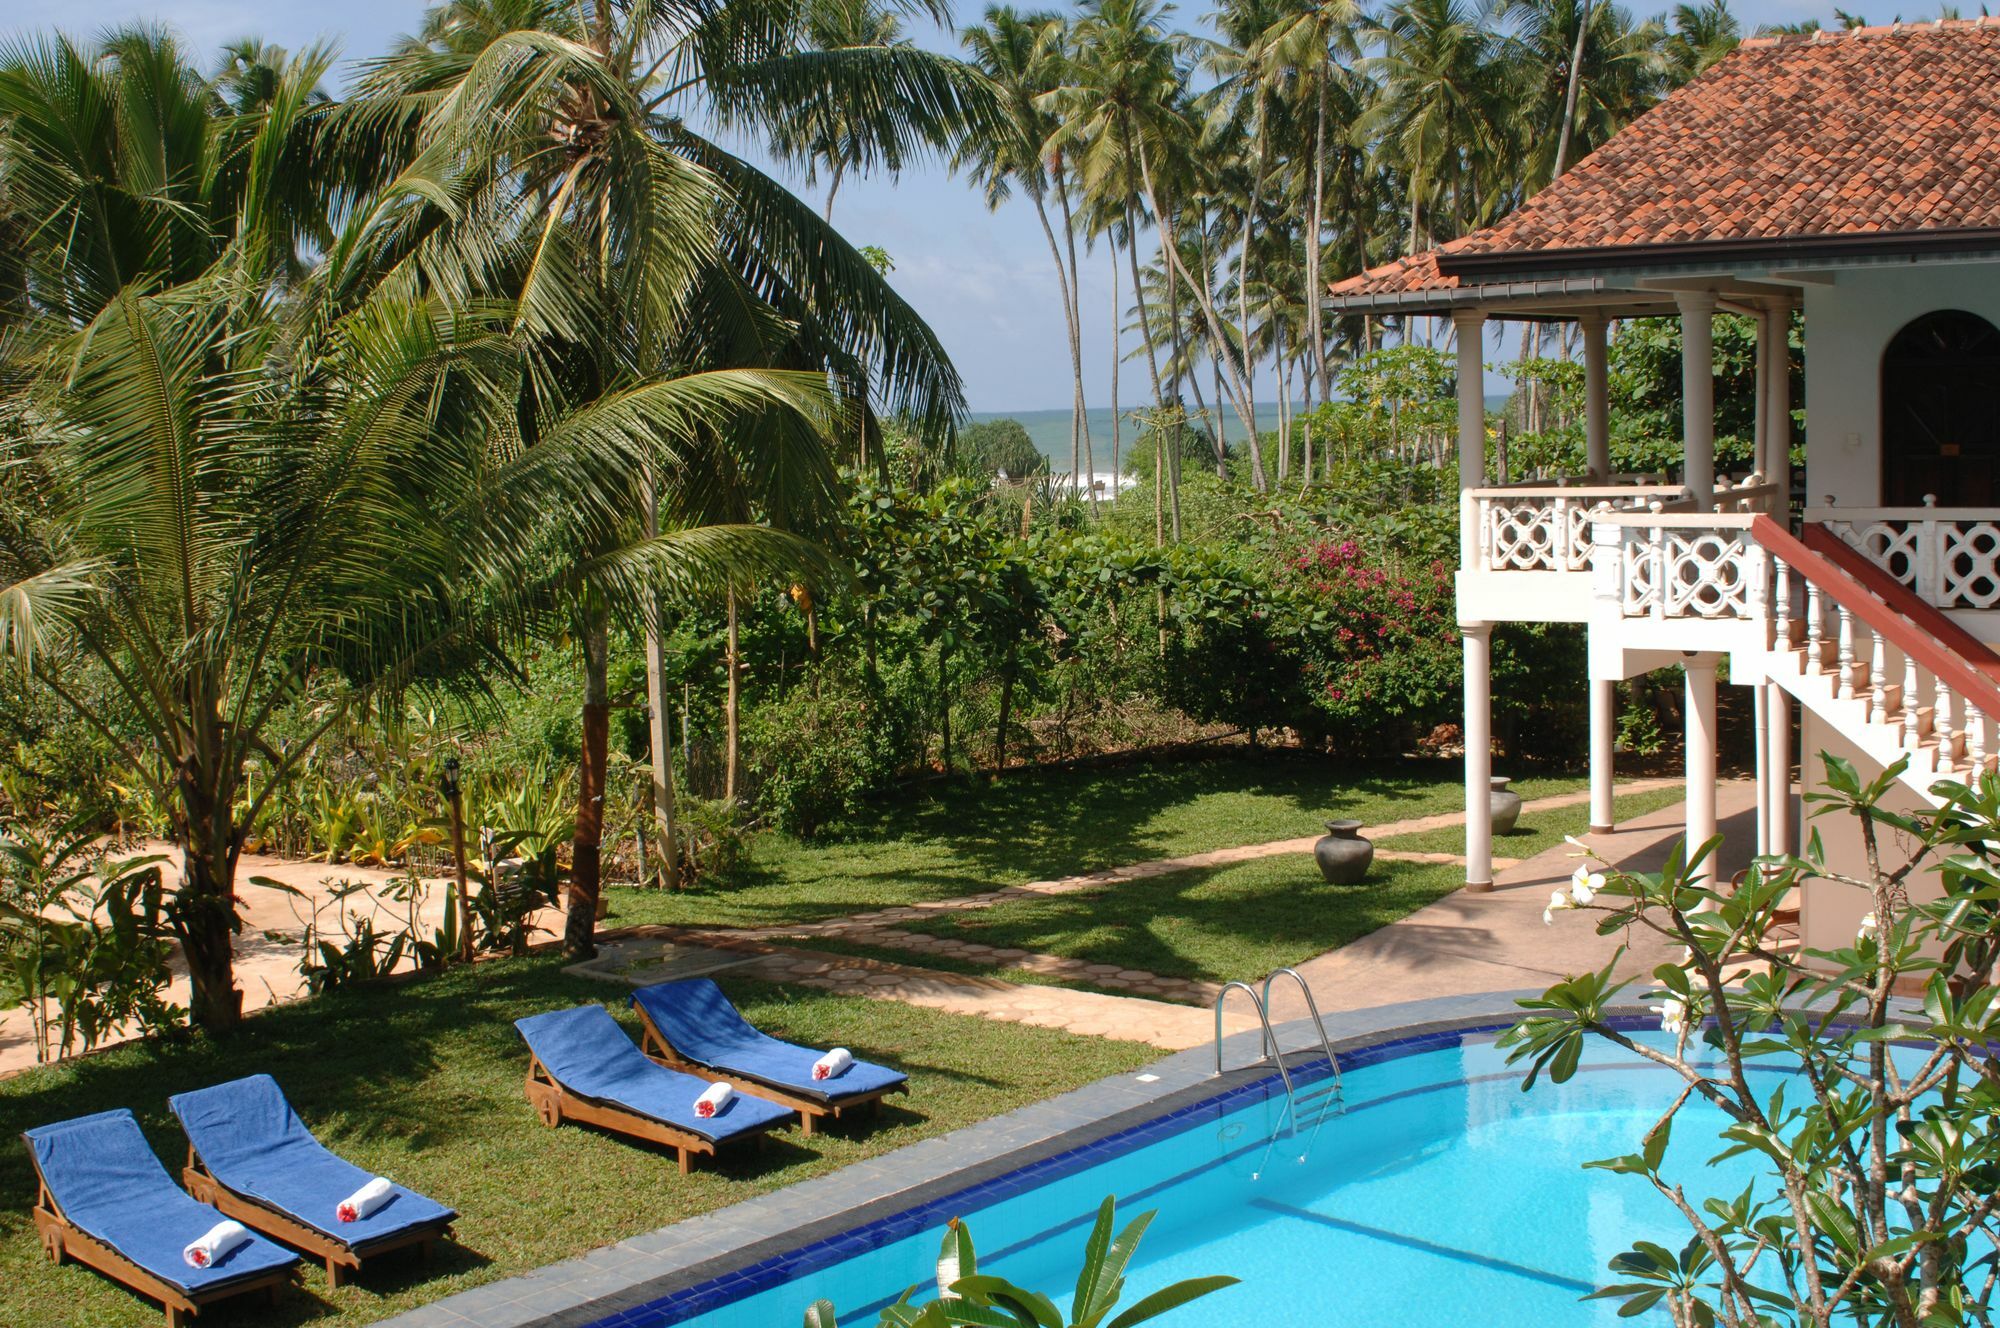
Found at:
(821, 751)
(967, 1298)
(1878, 1119)
(84, 937)
(999, 447)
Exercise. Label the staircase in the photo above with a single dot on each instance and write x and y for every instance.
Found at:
(1860, 651)
(1875, 662)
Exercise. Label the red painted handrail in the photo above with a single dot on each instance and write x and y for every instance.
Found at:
(1901, 598)
(1844, 590)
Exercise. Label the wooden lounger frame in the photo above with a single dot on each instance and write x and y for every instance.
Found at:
(655, 1044)
(556, 1104)
(63, 1239)
(340, 1259)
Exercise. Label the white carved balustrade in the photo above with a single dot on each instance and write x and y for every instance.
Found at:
(1701, 581)
(1540, 526)
(1949, 556)
(1544, 526)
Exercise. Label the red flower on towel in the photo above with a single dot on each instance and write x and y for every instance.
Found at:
(704, 1108)
(822, 1071)
(348, 1213)
(198, 1257)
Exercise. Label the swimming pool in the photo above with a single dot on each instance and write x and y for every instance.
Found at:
(1432, 1192)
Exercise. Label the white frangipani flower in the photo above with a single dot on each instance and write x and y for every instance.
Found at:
(1584, 885)
(1558, 900)
(1674, 1015)
(1869, 928)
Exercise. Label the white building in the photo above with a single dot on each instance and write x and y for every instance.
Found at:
(1854, 177)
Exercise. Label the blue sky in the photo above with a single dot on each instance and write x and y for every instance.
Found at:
(984, 280)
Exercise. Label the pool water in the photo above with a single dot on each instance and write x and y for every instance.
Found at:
(1437, 1193)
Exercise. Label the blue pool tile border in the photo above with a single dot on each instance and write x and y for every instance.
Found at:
(678, 1273)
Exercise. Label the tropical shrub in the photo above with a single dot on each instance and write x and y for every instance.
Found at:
(1877, 1118)
(822, 750)
(84, 937)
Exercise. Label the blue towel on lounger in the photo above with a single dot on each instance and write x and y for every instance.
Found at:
(254, 1143)
(590, 1055)
(706, 1028)
(107, 1181)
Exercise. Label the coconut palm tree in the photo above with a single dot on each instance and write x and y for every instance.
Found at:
(1439, 120)
(234, 509)
(834, 141)
(631, 242)
(1022, 56)
(1583, 71)
(119, 161)
(1698, 36)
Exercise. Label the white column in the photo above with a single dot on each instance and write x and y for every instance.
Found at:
(1775, 406)
(1603, 745)
(1700, 714)
(1469, 325)
(1470, 328)
(1596, 397)
(1478, 641)
(1760, 707)
(1761, 450)
(1698, 393)
(1778, 762)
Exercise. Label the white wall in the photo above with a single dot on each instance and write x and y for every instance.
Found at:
(1847, 327)
(1832, 912)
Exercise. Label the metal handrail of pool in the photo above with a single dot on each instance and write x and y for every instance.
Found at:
(1312, 1008)
(1271, 1051)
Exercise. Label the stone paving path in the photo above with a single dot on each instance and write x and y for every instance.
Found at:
(1167, 1012)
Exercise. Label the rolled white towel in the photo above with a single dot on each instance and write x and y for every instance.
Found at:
(713, 1099)
(833, 1064)
(215, 1243)
(364, 1200)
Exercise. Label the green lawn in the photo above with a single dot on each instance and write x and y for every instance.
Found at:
(1240, 921)
(1537, 832)
(969, 837)
(422, 1082)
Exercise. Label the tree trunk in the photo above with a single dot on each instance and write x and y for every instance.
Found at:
(586, 850)
(1145, 314)
(732, 706)
(944, 707)
(1006, 711)
(1075, 297)
(205, 921)
(1569, 94)
(1075, 343)
(1316, 363)
(659, 745)
(1116, 348)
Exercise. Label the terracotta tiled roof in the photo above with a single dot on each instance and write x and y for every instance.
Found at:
(1879, 131)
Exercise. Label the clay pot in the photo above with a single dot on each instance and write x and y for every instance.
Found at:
(1343, 855)
(1505, 805)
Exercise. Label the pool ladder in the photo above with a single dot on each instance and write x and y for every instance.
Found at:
(1262, 1002)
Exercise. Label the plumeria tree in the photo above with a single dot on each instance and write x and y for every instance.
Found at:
(1873, 1112)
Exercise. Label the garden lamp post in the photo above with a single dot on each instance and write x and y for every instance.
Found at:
(454, 794)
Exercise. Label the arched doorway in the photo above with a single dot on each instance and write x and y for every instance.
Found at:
(1941, 411)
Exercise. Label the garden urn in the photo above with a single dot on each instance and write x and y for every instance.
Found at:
(1343, 855)
(1505, 804)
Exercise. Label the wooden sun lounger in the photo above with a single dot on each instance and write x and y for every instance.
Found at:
(810, 1109)
(556, 1104)
(62, 1239)
(341, 1260)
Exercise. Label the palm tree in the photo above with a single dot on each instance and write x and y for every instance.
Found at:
(122, 162)
(1583, 71)
(234, 509)
(635, 243)
(1022, 56)
(1439, 117)
(834, 141)
(1299, 55)
(1700, 34)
